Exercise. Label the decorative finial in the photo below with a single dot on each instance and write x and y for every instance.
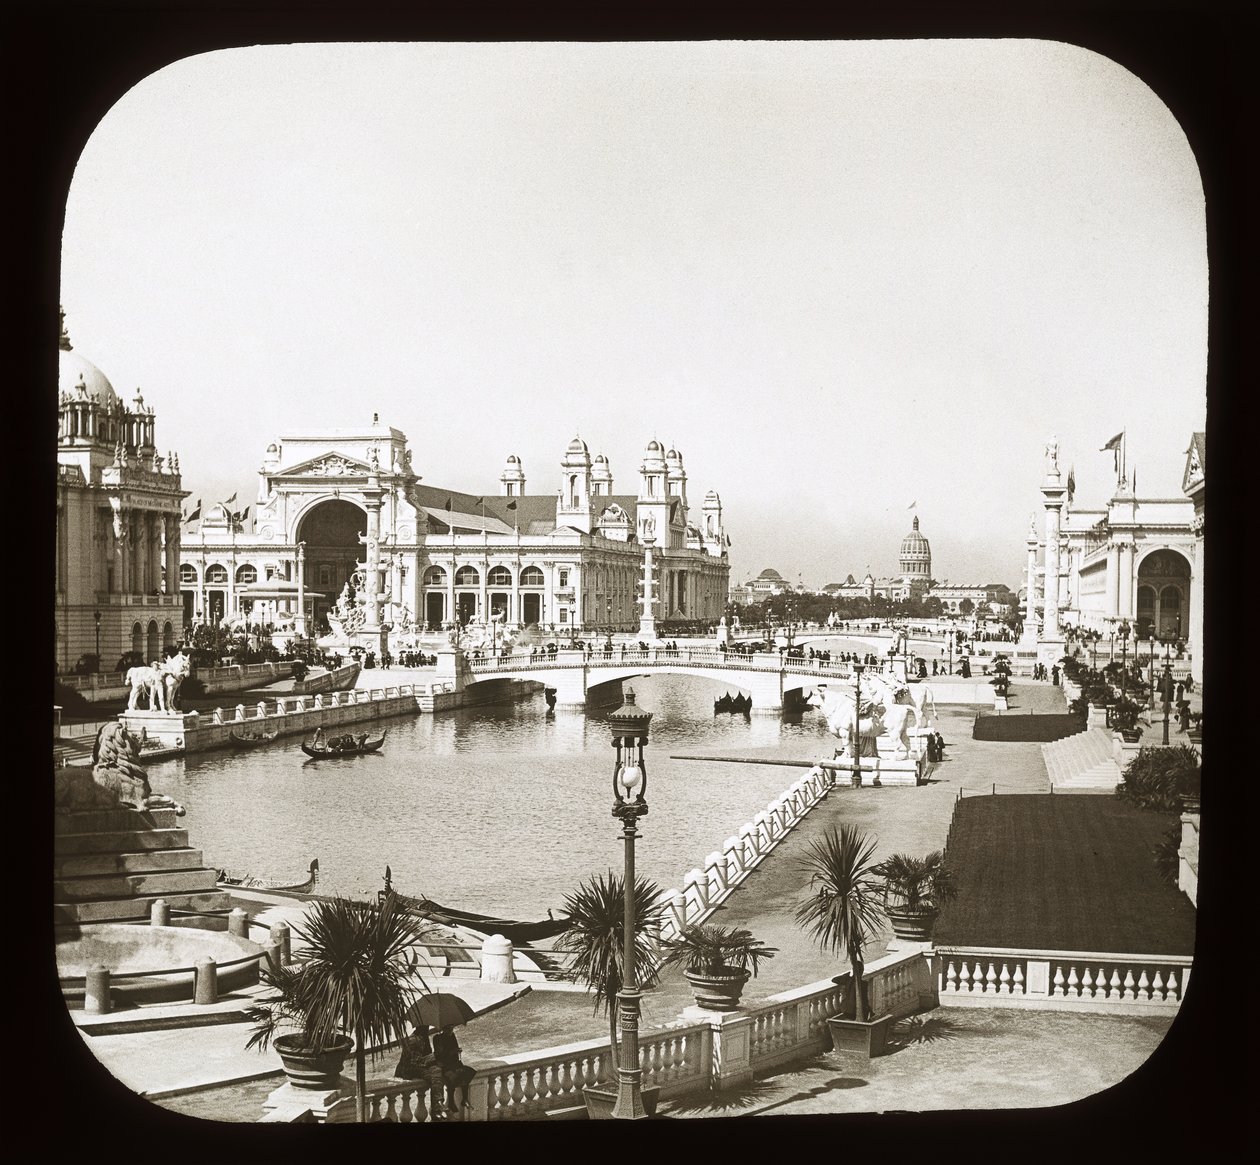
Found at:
(64, 339)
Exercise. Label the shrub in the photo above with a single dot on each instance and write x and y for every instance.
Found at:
(1157, 778)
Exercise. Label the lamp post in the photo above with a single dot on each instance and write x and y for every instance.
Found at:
(96, 617)
(629, 734)
(857, 728)
(1124, 630)
(1167, 690)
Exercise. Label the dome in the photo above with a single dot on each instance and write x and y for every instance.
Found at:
(514, 460)
(672, 455)
(577, 445)
(914, 543)
(74, 370)
(600, 459)
(654, 448)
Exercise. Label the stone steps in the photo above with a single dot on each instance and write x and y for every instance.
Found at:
(121, 862)
(1082, 761)
(121, 841)
(137, 908)
(155, 884)
(112, 820)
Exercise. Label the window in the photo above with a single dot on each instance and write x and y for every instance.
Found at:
(564, 614)
(247, 574)
(187, 572)
(216, 573)
(467, 576)
(564, 578)
(325, 575)
(531, 576)
(435, 576)
(499, 576)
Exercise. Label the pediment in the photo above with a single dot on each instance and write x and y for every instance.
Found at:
(327, 465)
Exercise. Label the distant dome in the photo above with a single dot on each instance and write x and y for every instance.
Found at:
(513, 459)
(74, 370)
(916, 553)
(600, 459)
(654, 447)
(770, 572)
(577, 445)
(672, 455)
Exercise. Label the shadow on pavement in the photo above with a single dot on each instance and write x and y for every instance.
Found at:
(921, 1029)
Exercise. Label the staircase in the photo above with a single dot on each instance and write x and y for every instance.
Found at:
(1083, 761)
(111, 863)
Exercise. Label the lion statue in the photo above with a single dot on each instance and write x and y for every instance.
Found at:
(114, 769)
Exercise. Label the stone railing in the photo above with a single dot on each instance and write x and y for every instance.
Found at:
(711, 1052)
(1066, 980)
(705, 658)
(705, 889)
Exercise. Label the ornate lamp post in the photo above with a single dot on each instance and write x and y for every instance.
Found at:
(857, 728)
(1124, 630)
(629, 726)
(96, 617)
(1167, 690)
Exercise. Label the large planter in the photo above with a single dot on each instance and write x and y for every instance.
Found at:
(719, 991)
(915, 925)
(860, 1037)
(601, 1101)
(315, 1068)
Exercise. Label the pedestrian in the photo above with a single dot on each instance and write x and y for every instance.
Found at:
(418, 1062)
(455, 1073)
(1054, 675)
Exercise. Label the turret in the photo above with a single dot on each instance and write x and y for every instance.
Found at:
(573, 507)
(512, 479)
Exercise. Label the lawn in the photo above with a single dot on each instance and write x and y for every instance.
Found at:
(1004, 726)
(1065, 872)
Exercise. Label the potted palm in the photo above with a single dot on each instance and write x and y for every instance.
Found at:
(843, 913)
(351, 988)
(915, 889)
(717, 961)
(594, 943)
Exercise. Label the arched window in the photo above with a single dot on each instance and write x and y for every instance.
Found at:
(499, 576)
(531, 576)
(137, 638)
(247, 573)
(168, 635)
(187, 572)
(216, 573)
(467, 576)
(152, 646)
(435, 576)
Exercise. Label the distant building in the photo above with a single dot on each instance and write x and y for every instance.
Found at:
(118, 522)
(342, 514)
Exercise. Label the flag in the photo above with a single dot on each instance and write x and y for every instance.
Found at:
(511, 505)
(1071, 481)
(1114, 443)
(448, 505)
(196, 512)
(229, 501)
(913, 504)
(244, 513)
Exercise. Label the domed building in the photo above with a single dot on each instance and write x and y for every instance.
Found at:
(118, 524)
(916, 555)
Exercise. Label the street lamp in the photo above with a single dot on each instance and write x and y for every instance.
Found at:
(629, 726)
(1124, 630)
(96, 616)
(857, 728)
(1167, 691)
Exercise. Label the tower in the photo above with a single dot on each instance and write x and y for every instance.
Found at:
(601, 477)
(676, 479)
(574, 506)
(712, 532)
(653, 501)
(512, 479)
(916, 555)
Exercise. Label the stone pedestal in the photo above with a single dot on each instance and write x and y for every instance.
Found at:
(169, 728)
(731, 1033)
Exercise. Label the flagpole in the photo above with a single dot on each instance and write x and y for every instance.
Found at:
(1124, 468)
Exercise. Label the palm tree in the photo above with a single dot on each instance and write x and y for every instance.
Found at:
(353, 978)
(596, 938)
(843, 911)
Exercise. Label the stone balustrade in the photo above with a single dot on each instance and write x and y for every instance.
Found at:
(1066, 980)
(705, 889)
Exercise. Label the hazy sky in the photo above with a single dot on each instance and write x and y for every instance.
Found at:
(839, 277)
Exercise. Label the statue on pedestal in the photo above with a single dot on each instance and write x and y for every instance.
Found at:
(115, 769)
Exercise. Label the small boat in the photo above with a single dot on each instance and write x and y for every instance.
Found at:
(228, 881)
(338, 747)
(511, 929)
(251, 739)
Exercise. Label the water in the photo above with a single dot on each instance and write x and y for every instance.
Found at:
(499, 810)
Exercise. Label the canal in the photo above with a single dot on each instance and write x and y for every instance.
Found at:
(500, 810)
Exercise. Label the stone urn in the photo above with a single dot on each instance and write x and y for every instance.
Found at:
(313, 1068)
(867, 1038)
(717, 990)
(600, 1101)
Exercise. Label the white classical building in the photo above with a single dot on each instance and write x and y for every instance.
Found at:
(1133, 558)
(343, 514)
(118, 523)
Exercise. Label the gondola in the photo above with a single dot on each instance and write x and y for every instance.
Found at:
(327, 753)
(242, 740)
(511, 929)
(228, 881)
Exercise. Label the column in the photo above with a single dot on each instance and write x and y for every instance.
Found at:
(172, 554)
(372, 557)
(1050, 607)
(1126, 580)
(1113, 580)
(1194, 624)
(1030, 603)
(450, 584)
(300, 621)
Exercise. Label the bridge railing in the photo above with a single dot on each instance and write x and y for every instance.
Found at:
(658, 656)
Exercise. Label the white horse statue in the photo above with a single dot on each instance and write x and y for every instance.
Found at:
(159, 683)
(894, 714)
(839, 707)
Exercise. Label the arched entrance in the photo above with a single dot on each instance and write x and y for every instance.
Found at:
(331, 532)
(1163, 594)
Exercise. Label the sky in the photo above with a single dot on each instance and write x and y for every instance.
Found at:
(842, 278)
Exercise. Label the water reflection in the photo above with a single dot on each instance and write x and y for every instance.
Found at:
(497, 809)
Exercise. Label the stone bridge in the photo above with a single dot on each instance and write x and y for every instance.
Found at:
(593, 679)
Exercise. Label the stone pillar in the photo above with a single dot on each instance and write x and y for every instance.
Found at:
(647, 618)
(96, 996)
(496, 960)
(172, 555)
(1194, 624)
(1053, 493)
(300, 621)
(206, 982)
(1127, 554)
(1113, 581)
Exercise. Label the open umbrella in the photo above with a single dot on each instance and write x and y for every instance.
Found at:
(440, 1009)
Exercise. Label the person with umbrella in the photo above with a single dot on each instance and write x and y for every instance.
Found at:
(418, 1062)
(444, 1011)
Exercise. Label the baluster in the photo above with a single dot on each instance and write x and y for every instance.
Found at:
(990, 980)
(951, 978)
(1158, 988)
(964, 979)
(1087, 984)
(1116, 985)
(1004, 981)
(405, 1115)
(373, 1107)
(1057, 987)
(502, 1093)
(1127, 986)
(1172, 986)
(517, 1091)
(1143, 986)
(566, 1078)
(1074, 984)
(1017, 981)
